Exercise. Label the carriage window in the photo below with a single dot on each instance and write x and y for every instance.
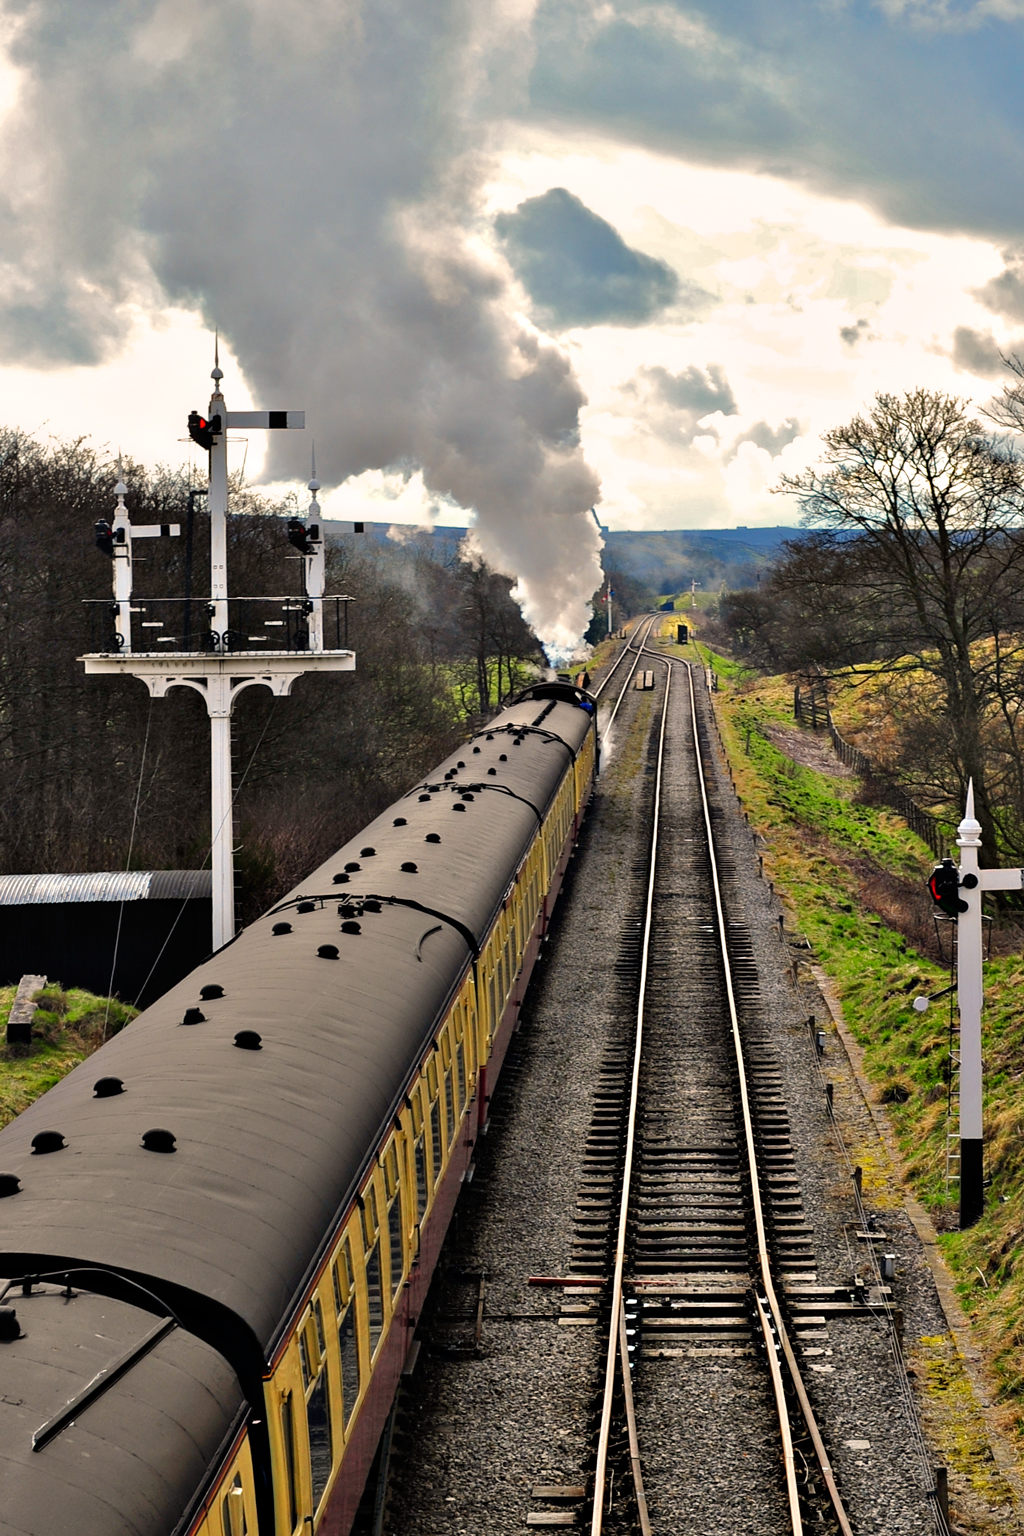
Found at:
(395, 1225)
(391, 1170)
(460, 1068)
(449, 1105)
(375, 1296)
(349, 1362)
(318, 1417)
(369, 1211)
(435, 1139)
(288, 1430)
(421, 1177)
(318, 1318)
(343, 1277)
(233, 1509)
(307, 1374)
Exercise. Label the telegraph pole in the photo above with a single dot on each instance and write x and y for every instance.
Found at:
(225, 667)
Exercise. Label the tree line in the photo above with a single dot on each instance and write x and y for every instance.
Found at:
(912, 573)
(97, 776)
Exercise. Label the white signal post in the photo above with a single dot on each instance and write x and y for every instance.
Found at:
(221, 672)
(970, 996)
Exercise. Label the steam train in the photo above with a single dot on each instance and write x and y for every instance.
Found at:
(217, 1233)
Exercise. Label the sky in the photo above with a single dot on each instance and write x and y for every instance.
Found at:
(514, 258)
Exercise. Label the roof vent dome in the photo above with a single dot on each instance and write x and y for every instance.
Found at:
(48, 1141)
(158, 1140)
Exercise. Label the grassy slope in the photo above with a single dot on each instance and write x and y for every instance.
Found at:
(73, 1034)
(826, 854)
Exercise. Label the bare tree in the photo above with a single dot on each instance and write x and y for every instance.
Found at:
(924, 509)
(495, 635)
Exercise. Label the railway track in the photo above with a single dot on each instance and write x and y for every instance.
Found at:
(690, 1226)
(704, 1277)
(634, 648)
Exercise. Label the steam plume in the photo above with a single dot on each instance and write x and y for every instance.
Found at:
(308, 175)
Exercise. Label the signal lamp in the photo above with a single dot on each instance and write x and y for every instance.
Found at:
(202, 431)
(298, 536)
(943, 885)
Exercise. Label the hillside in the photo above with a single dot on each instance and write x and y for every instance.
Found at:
(666, 560)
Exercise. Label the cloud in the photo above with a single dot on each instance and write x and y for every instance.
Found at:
(1004, 295)
(309, 178)
(851, 334)
(693, 390)
(772, 441)
(894, 107)
(675, 404)
(976, 352)
(577, 268)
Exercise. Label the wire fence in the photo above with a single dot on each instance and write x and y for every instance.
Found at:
(808, 710)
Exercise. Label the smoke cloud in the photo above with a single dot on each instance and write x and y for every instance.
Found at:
(306, 174)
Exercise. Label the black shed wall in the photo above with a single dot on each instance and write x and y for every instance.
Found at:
(73, 943)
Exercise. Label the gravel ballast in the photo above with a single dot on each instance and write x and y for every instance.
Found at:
(481, 1428)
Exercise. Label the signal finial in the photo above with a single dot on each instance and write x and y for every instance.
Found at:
(217, 373)
(969, 830)
(314, 486)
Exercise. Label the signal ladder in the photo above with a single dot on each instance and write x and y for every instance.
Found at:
(952, 1118)
(952, 1168)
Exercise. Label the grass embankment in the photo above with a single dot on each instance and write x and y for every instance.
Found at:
(67, 1027)
(851, 877)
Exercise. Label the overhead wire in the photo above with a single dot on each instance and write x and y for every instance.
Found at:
(127, 867)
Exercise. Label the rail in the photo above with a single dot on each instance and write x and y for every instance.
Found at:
(616, 1333)
(627, 650)
(770, 1301)
(782, 1363)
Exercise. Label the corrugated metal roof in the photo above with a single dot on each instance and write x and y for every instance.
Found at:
(117, 885)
